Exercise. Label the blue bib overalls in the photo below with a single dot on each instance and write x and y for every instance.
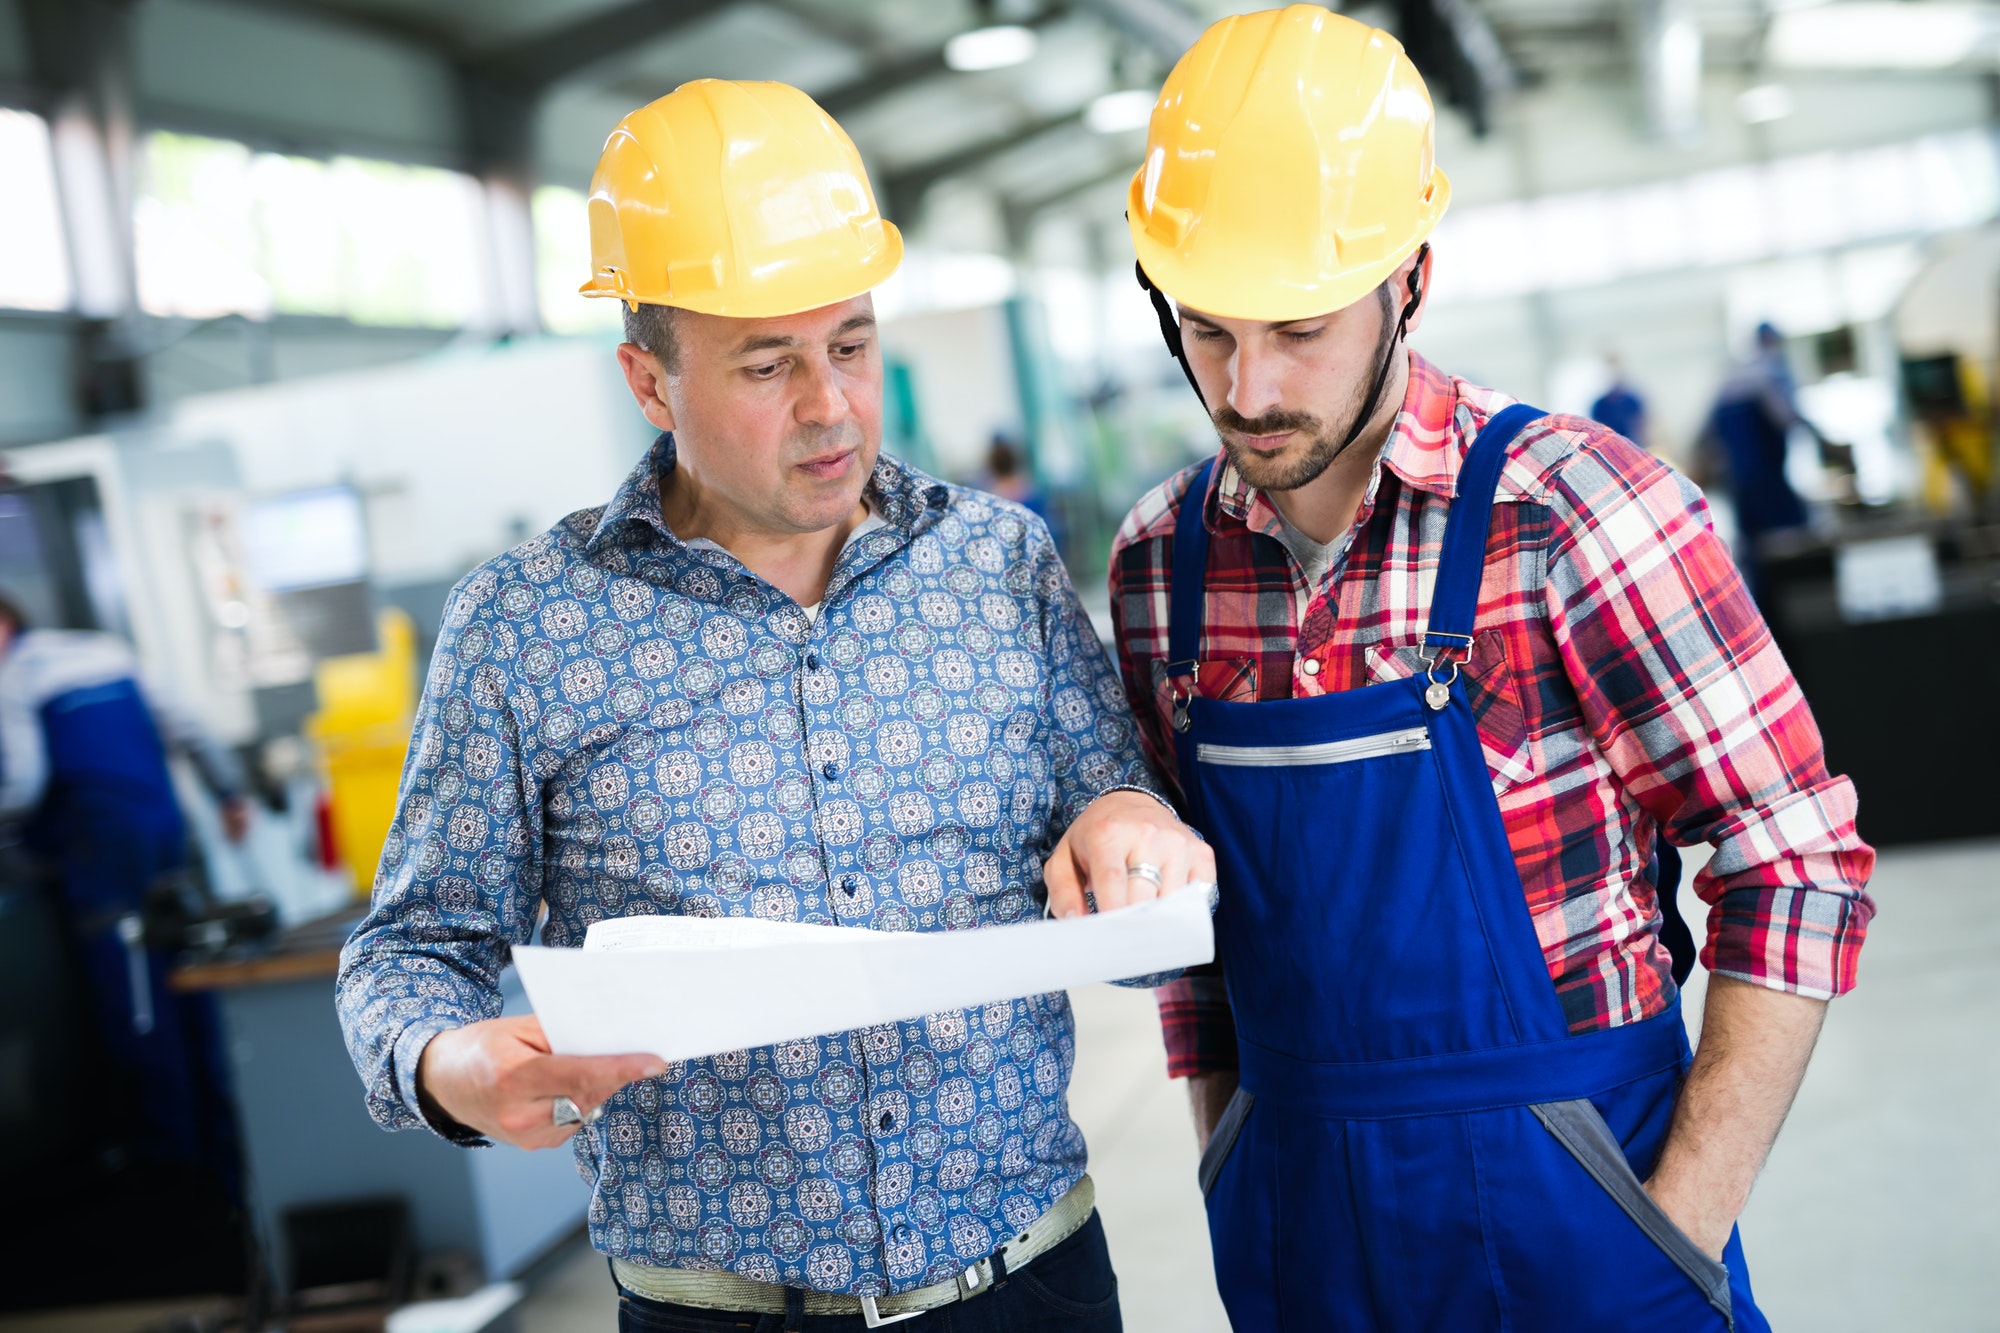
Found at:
(1418, 1143)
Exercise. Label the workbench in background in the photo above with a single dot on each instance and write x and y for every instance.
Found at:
(307, 1138)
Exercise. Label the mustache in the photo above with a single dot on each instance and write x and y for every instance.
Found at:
(811, 442)
(1270, 423)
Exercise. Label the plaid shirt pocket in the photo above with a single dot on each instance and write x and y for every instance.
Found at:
(1496, 702)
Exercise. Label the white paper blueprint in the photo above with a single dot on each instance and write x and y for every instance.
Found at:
(685, 987)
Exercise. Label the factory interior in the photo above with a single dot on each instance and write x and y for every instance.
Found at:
(291, 342)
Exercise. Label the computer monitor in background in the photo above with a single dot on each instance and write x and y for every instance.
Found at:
(306, 539)
(309, 550)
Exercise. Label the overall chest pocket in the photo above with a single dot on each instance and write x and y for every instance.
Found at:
(1496, 702)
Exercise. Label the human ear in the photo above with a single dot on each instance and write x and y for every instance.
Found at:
(1420, 268)
(647, 380)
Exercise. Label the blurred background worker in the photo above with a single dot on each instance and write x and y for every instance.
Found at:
(83, 770)
(1620, 407)
(1400, 645)
(1747, 444)
(1007, 475)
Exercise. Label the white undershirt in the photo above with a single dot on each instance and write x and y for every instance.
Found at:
(861, 529)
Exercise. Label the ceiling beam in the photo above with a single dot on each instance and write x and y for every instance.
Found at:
(905, 188)
(895, 75)
(431, 38)
(535, 62)
(1019, 211)
(883, 81)
(1457, 52)
(1163, 25)
(1029, 205)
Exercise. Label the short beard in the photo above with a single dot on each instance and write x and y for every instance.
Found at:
(1325, 443)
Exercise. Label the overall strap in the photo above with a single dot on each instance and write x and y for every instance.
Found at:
(1188, 575)
(1186, 580)
(1455, 598)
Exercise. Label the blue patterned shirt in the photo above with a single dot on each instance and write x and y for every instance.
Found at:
(616, 722)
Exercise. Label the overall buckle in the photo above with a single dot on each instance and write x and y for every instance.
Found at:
(1181, 701)
(1438, 693)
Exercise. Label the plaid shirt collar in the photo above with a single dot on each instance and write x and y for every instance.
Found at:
(1424, 449)
(906, 499)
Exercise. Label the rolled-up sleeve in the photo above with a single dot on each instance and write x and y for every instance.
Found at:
(1697, 712)
(459, 882)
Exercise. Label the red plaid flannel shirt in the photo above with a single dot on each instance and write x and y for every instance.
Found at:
(1621, 678)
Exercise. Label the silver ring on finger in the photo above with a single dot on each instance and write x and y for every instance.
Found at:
(1147, 871)
(567, 1112)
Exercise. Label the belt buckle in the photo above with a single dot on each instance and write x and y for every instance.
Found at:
(873, 1318)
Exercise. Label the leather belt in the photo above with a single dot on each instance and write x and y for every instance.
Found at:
(740, 1295)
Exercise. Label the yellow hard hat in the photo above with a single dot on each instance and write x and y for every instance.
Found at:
(740, 199)
(1288, 167)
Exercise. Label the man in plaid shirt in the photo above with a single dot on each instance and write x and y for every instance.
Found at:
(1623, 689)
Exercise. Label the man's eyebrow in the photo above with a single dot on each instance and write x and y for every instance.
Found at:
(781, 342)
(1196, 317)
(765, 343)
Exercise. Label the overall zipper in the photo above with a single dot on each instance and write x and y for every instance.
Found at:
(1326, 752)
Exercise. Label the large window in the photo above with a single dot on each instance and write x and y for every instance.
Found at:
(34, 265)
(1794, 206)
(221, 229)
(562, 264)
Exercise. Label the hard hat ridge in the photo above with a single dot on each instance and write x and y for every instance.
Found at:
(735, 198)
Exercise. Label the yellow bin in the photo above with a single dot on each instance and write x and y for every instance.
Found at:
(366, 703)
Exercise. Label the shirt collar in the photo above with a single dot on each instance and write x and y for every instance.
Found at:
(1425, 445)
(905, 498)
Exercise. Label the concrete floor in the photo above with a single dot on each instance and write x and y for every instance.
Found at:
(1880, 1208)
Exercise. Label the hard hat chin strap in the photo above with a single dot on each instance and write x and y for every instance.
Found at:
(1415, 287)
(1170, 331)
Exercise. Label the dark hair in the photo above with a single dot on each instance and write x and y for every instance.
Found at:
(652, 327)
(1002, 459)
(12, 614)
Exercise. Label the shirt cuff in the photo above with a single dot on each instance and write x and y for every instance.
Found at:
(409, 1051)
(1803, 940)
(1145, 791)
(1195, 1023)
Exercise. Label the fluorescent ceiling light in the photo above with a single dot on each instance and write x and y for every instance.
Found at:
(1765, 103)
(1870, 35)
(990, 48)
(1114, 113)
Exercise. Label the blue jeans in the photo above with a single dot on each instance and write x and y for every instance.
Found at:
(1070, 1289)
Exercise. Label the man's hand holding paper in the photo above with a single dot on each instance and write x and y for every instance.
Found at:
(682, 988)
(1105, 856)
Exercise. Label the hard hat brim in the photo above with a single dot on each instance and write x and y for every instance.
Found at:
(1269, 287)
(805, 290)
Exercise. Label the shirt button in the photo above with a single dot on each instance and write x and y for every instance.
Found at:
(888, 1120)
(1312, 666)
(847, 886)
(829, 770)
(901, 1233)
(812, 661)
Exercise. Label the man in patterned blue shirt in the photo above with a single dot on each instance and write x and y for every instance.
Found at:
(782, 675)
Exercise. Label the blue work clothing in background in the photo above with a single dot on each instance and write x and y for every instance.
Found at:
(1622, 410)
(83, 767)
